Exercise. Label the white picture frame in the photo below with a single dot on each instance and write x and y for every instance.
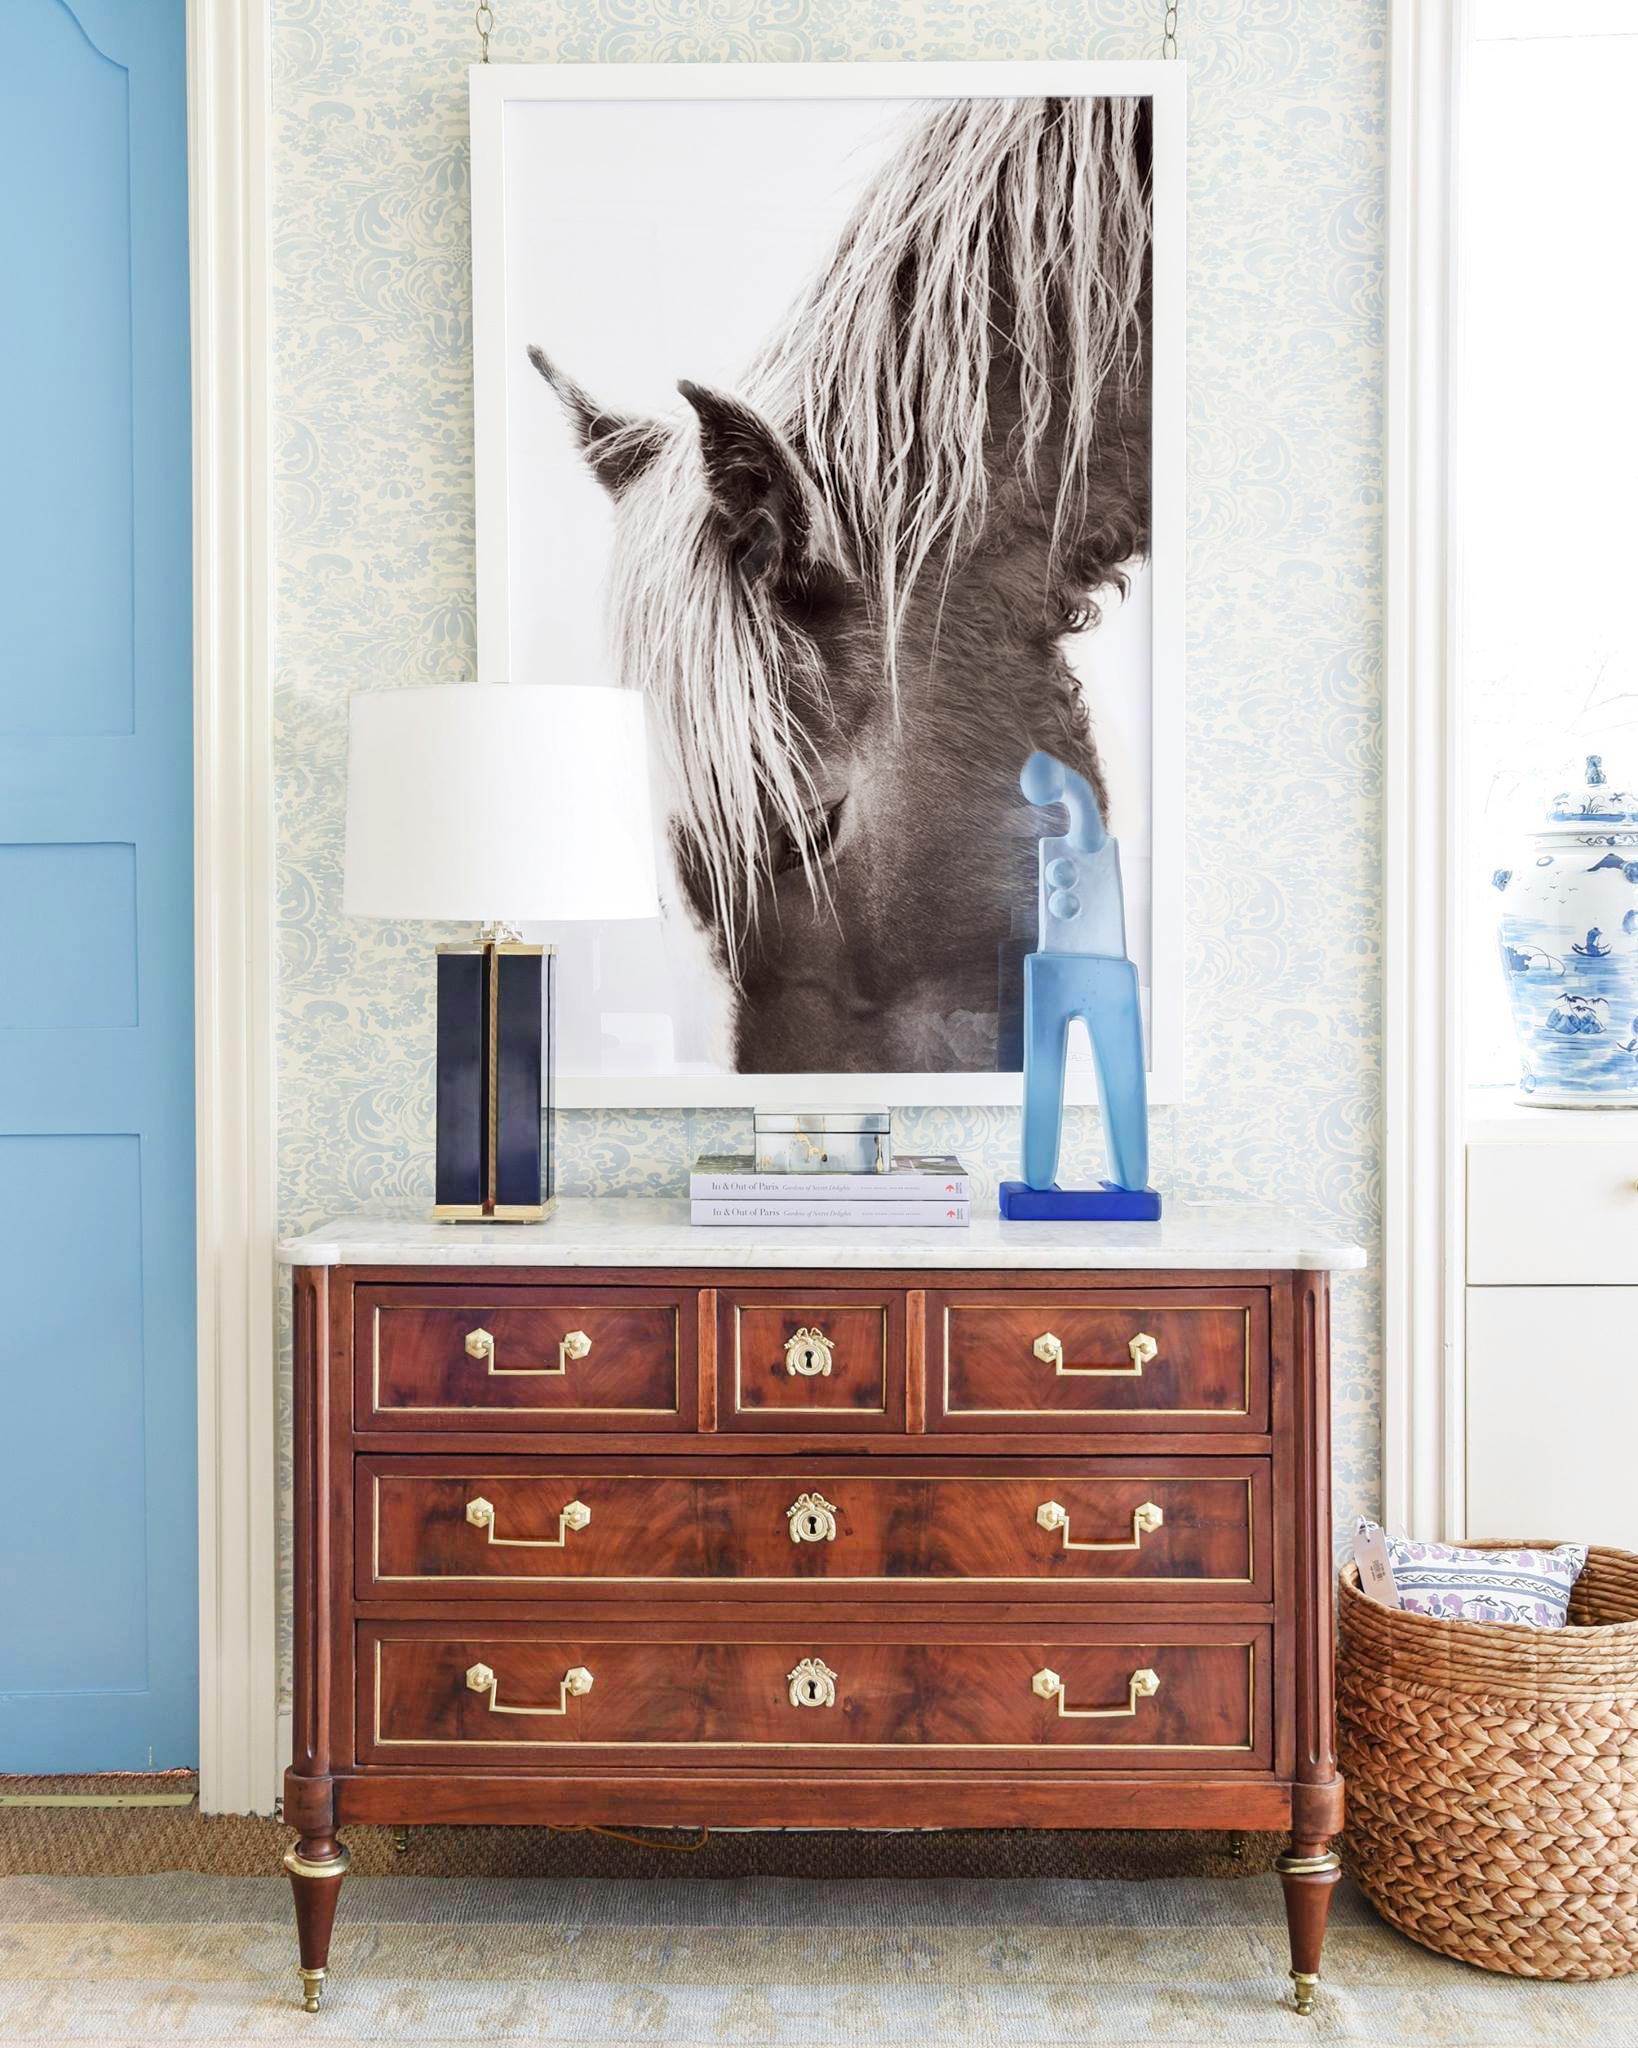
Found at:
(503, 100)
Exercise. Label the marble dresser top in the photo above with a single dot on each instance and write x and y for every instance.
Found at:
(638, 1231)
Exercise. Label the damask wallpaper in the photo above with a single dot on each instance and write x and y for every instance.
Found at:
(375, 580)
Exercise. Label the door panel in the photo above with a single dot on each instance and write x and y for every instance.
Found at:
(75, 1615)
(65, 249)
(98, 1576)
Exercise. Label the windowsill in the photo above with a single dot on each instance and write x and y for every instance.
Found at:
(1496, 1114)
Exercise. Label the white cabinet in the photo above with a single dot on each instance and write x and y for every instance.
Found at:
(1552, 1413)
(1552, 1325)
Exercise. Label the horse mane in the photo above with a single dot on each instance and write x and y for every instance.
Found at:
(1004, 245)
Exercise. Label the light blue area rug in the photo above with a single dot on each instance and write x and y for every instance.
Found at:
(598, 1963)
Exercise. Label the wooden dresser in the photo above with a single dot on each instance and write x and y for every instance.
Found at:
(609, 1520)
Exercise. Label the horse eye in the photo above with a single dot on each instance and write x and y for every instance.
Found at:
(1077, 617)
(822, 830)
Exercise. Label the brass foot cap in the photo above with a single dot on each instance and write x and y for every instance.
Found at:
(1306, 1984)
(337, 1865)
(312, 1989)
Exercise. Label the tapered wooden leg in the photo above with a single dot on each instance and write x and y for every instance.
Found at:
(317, 1864)
(1308, 1873)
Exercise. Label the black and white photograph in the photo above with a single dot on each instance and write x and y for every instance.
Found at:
(843, 426)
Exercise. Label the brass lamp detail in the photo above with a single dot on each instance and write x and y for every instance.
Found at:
(481, 1514)
(574, 1684)
(1142, 1685)
(1146, 1520)
(1142, 1350)
(481, 1344)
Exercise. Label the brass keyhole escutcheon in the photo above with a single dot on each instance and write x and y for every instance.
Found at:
(812, 1684)
(808, 1354)
(812, 1519)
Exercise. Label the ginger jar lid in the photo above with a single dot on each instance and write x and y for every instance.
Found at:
(1593, 802)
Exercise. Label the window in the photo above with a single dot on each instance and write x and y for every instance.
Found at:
(1545, 511)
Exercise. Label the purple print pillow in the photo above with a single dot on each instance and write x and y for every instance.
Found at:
(1530, 1588)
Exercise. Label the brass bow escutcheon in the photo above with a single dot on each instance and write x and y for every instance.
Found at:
(812, 1684)
(812, 1519)
(808, 1354)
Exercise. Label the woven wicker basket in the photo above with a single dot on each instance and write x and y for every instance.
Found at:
(1493, 1776)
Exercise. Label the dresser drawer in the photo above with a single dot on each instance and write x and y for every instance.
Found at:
(829, 1359)
(1189, 1359)
(1066, 1698)
(1170, 1528)
(559, 1358)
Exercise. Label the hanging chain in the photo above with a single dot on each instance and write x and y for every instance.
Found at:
(484, 18)
(1168, 30)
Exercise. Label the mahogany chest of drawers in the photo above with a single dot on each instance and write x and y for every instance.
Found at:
(652, 1531)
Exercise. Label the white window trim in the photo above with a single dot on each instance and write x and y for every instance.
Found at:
(1424, 1398)
(228, 137)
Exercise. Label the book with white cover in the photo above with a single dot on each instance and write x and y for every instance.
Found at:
(830, 1212)
(912, 1177)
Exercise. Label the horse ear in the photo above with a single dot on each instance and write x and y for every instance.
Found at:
(616, 448)
(767, 505)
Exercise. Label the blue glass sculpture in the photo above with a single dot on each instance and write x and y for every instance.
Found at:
(1080, 969)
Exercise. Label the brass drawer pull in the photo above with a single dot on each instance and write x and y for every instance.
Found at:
(1142, 1350)
(574, 1684)
(1052, 1515)
(808, 1354)
(481, 1344)
(812, 1519)
(1142, 1685)
(481, 1514)
(812, 1684)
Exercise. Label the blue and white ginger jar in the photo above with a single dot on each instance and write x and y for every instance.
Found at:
(1569, 949)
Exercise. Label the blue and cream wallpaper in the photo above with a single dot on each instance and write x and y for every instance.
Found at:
(375, 577)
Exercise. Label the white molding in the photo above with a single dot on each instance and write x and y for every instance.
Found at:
(228, 124)
(1423, 1177)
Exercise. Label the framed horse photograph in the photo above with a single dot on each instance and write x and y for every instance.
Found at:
(839, 410)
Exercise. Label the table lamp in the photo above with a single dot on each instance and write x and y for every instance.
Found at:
(497, 804)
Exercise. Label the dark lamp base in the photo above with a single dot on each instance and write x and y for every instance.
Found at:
(495, 1108)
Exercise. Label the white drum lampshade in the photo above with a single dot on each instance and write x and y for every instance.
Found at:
(481, 802)
(498, 804)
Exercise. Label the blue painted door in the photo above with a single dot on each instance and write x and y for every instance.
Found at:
(98, 1624)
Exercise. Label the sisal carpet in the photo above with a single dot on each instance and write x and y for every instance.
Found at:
(680, 1963)
(91, 1841)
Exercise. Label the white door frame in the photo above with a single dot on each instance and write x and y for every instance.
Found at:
(1424, 1397)
(228, 139)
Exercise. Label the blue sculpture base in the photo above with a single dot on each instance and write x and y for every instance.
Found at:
(1020, 1203)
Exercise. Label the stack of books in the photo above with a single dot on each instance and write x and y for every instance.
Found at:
(916, 1190)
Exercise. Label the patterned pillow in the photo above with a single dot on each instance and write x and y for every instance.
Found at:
(1528, 1587)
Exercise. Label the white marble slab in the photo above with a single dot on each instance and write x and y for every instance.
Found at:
(636, 1231)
